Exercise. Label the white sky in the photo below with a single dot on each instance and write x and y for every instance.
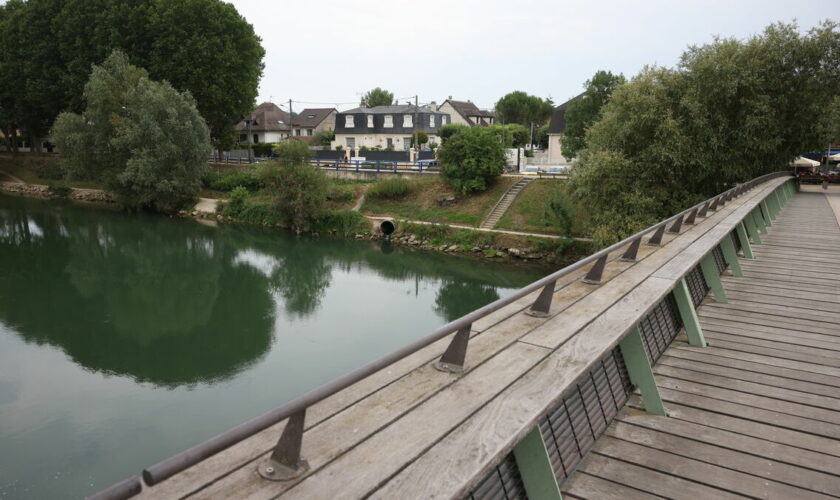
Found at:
(332, 51)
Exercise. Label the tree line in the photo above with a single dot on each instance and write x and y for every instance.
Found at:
(204, 47)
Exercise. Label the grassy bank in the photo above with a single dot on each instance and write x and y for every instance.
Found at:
(433, 200)
(530, 210)
(40, 170)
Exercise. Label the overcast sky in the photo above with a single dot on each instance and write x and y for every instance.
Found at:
(331, 51)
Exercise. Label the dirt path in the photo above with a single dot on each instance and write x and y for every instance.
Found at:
(11, 177)
(206, 205)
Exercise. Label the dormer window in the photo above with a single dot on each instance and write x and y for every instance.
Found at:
(444, 120)
(431, 121)
(280, 122)
(389, 121)
(407, 121)
(348, 121)
(370, 121)
(310, 116)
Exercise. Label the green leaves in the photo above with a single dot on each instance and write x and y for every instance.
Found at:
(472, 159)
(585, 110)
(378, 97)
(519, 107)
(142, 139)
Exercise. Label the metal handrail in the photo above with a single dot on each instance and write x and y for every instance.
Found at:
(449, 362)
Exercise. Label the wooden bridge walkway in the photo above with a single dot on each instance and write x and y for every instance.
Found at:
(756, 413)
(567, 387)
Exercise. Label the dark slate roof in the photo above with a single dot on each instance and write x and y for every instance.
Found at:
(378, 115)
(396, 109)
(558, 119)
(266, 118)
(311, 117)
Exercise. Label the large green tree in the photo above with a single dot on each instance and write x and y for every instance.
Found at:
(585, 110)
(144, 140)
(732, 110)
(201, 46)
(519, 107)
(378, 97)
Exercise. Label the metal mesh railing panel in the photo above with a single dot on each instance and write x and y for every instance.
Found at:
(660, 327)
(697, 286)
(736, 240)
(503, 483)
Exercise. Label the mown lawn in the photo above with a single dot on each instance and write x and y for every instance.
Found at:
(27, 169)
(424, 203)
(530, 210)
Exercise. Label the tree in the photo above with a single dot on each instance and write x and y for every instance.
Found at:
(731, 111)
(512, 135)
(472, 159)
(201, 46)
(519, 107)
(325, 137)
(422, 138)
(298, 190)
(585, 110)
(448, 130)
(144, 140)
(378, 97)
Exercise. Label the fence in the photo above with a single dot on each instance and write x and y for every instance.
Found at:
(588, 403)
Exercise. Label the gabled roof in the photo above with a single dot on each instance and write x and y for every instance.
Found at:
(311, 117)
(470, 112)
(266, 118)
(558, 118)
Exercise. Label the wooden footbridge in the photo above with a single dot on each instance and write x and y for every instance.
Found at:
(696, 359)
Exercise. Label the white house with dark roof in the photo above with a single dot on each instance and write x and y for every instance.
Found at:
(386, 126)
(555, 132)
(467, 113)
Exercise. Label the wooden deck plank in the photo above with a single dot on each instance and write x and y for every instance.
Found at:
(586, 486)
(798, 344)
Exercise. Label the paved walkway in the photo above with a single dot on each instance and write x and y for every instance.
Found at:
(473, 228)
(757, 412)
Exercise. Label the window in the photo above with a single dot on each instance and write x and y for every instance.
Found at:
(389, 121)
(310, 116)
(390, 142)
(309, 131)
(348, 121)
(431, 121)
(351, 142)
(444, 120)
(297, 131)
(406, 143)
(370, 121)
(407, 121)
(256, 138)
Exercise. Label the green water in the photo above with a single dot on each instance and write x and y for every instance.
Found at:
(127, 338)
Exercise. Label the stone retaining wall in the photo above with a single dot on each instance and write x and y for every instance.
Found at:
(42, 191)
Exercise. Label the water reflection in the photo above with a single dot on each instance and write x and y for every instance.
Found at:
(170, 302)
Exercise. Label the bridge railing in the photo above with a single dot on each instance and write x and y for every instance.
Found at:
(286, 461)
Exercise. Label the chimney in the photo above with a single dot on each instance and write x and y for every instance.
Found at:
(450, 98)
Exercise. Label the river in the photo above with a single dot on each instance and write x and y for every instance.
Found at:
(127, 338)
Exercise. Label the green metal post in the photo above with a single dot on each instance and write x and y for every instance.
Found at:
(745, 240)
(768, 215)
(707, 265)
(689, 315)
(749, 222)
(535, 467)
(758, 218)
(638, 367)
(779, 200)
(731, 256)
(773, 203)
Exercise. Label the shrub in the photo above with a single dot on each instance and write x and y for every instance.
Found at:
(390, 189)
(293, 152)
(262, 149)
(447, 131)
(226, 181)
(50, 170)
(237, 198)
(298, 191)
(59, 190)
(343, 222)
(341, 193)
(472, 159)
(529, 153)
(559, 212)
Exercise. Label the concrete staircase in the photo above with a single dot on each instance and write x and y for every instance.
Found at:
(504, 203)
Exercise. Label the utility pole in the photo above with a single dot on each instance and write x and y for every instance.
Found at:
(416, 146)
(291, 129)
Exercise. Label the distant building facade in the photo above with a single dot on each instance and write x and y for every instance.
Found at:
(269, 123)
(556, 128)
(386, 127)
(467, 113)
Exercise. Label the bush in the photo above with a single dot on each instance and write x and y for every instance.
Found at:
(263, 149)
(447, 131)
(226, 181)
(252, 213)
(237, 198)
(559, 212)
(390, 189)
(529, 153)
(343, 222)
(472, 159)
(293, 152)
(59, 190)
(341, 193)
(298, 190)
(50, 170)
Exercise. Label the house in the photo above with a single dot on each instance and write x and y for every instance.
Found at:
(386, 127)
(555, 132)
(269, 123)
(467, 113)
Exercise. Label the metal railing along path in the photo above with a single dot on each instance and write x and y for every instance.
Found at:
(286, 461)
